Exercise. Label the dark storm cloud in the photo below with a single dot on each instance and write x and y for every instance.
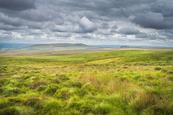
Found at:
(90, 19)
(128, 31)
(163, 6)
(9, 21)
(153, 20)
(7, 27)
(17, 4)
(158, 16)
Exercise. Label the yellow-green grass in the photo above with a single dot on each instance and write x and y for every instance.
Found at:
(125, 82)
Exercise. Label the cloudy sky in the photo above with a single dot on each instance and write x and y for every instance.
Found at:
(139, 22)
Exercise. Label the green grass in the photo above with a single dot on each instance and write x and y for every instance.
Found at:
(122, 82)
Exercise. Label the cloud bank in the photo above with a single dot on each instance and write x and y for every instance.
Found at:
(107, 21)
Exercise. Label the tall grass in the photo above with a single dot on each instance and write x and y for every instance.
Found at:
(135, 82)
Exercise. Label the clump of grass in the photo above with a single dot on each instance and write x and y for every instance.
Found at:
(35, 102)
(170, 78)
(76, 84)
(4, 103)
(9, 111)
(51, 89)
(11, 91)
(59, 78)
(158, 68)
(62, 77)
(3, 82)
(144, 100)
(52, 106)
(64, 93)
(38, 85)
(103, 108)
(17, 110)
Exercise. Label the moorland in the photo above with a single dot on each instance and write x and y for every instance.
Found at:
(116, 82)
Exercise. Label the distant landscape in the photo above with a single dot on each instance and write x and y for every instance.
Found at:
(63, 46)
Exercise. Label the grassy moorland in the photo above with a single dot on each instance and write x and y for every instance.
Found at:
(122, 82)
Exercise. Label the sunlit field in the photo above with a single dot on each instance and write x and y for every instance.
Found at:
(120, 82)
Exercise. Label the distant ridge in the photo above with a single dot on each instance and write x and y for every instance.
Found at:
(60, 45)
(47, 45)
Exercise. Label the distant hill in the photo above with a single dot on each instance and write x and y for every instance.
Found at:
(51, 46)
(60, 45)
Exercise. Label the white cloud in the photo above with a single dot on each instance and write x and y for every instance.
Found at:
(87, 25)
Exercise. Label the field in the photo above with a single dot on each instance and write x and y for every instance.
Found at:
(120, 82)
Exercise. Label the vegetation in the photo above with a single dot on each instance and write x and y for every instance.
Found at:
(122, 82)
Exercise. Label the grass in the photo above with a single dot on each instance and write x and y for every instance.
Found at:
(122, 82)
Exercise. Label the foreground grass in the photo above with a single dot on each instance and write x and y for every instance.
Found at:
(117, 83)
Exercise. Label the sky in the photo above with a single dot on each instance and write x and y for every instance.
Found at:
(137, 22)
